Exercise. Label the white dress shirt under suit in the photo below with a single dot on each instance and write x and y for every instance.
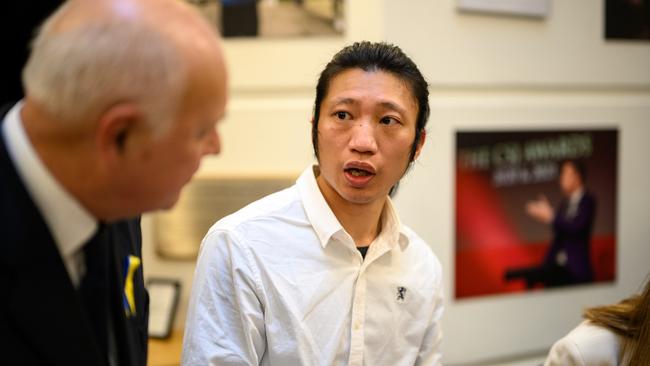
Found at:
(281, 283)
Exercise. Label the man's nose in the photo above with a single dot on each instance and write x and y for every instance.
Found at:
(363, 138)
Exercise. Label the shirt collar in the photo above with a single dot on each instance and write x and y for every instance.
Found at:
(318, 212)
(70, 224)
(326, 224)
(577, 195)
(392, 226)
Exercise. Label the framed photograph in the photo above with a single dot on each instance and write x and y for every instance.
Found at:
(534, 210)
(275, 18)
(529, 8)
(627, 19)
(163, 301)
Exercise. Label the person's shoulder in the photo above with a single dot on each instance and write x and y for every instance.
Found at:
(262, 209)
(420, 249)
(586, 344)
(254, 221)
(415, 241)
(593, 334)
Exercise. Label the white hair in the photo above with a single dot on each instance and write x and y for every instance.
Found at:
(78, 73)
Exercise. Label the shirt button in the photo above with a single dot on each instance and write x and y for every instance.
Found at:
(357, 325)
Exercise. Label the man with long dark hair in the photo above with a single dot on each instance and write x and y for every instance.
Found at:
(324, 273)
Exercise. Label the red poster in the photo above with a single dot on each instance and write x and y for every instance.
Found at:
(534, 210)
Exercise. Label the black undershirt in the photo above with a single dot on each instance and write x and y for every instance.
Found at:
(363, 251)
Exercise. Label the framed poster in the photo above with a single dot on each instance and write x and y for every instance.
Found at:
(627, 20)
(534, 210)
(274, 18)
(530, 8)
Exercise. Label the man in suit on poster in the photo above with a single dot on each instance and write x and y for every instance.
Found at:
(568, 261)
(122, 97)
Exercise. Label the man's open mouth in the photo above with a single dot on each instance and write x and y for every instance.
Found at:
(358, 172)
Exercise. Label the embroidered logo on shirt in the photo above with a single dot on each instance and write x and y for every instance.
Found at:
(401, 294)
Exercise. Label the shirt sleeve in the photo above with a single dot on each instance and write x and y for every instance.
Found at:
(225, 321)
(429, 353)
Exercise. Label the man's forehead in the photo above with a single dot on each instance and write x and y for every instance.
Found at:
(352, 85)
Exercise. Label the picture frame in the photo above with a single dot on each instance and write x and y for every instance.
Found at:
(250, 19)
(502, 177)
(627, 20)
(526, 8)
(164, 294)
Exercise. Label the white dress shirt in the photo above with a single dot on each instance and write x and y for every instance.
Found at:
(587, 344)
(574, 201)
(69, 223)
(281, 283)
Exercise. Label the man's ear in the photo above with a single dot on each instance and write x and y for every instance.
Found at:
(418, 149)
(116, 125)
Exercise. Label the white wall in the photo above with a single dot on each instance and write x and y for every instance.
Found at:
(565, 49)
(487, 72)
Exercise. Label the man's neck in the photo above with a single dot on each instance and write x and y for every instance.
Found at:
(65, 155)
(577, 191)
(577, 194)
(361, 221)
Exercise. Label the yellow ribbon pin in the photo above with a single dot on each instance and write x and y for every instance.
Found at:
(131, 264)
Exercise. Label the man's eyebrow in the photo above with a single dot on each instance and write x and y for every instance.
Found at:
(338, 101)
(385, 104)
(393, 106)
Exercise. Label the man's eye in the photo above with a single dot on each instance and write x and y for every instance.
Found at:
(388, 121)
(342, 115)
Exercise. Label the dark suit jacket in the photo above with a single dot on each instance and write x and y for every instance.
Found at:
(42, 319)
(573, 234)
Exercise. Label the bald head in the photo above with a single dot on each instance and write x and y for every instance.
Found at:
(176, 19)
(122, 101)
(92, 54)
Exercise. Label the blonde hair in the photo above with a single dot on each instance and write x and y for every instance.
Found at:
(630, 319)
(78, 73)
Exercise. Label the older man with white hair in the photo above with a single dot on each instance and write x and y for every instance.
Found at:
(122, 98)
